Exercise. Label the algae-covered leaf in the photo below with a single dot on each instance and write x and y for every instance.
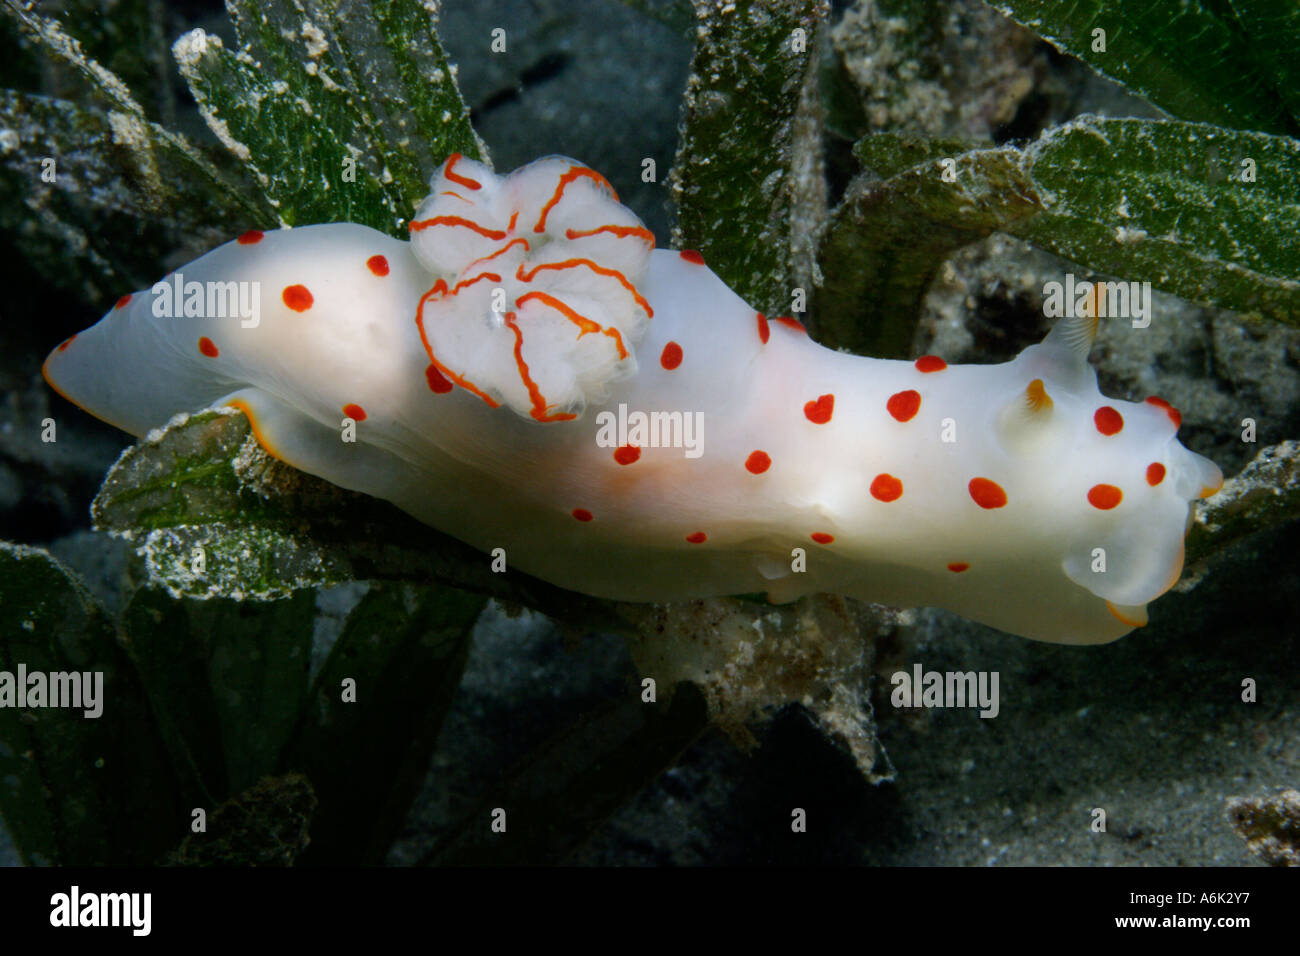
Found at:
(1272, 28)
(132, 127)
(747, 182)
(71, 175)
(264, 530)
(1265, 494)
(371, 721)
(227, 680)
(1207, 214)
(342, 111)
(888, 239)
(1204, 213)
(266, 825)
(75, 789)
(1193, 58)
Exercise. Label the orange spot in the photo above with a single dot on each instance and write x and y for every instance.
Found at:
(1174, 414)
(1104, 497)
(764, 330)
(930, 363)
(690, 255)
(1155, 473)
(297, 297)
(886, 488)
(821, 537)
(1036, 396)
(987, 494)
(122, 302)
(1208, 492)
(208, 347)
(421, 224)
(1131, 622)
(957, 567)
(599, 270)
(573, 175)
(583, 323)
(437, 381)
(758, 462)
(671, 357)
(819, 412)
(904, 405)
(621, 232)
(354, 412)
(790, 323)
(378, 265)
(627, 454)
(456, 178)
(251, 237)
(1108, 420)
(697, 537)
(582, 514)
(63, 346)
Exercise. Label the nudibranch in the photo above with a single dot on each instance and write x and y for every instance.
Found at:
(529, 373)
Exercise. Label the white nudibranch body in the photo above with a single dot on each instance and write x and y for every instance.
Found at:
(529, 373)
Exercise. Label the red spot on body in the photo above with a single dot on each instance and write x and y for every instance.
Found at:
(251, 237)
(690, 255)
(697, 537)
(66, 342)
(758, 462)
(1104, 497)
(297, 297)
(354, 412)
(904, 405)
(886, 488)
(764, 330)
(378, 265)
(1108, 420)
(790, 323)
(456, 178)
(821, 537)
(1174, 414)
(820, 411)
(582, 514)
(437, 381)
(1155, 473)
(930, 363)
(122, 302)
(627, 454)
(671, 357)
(208, 347)
(986, 493)
(957, 567)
